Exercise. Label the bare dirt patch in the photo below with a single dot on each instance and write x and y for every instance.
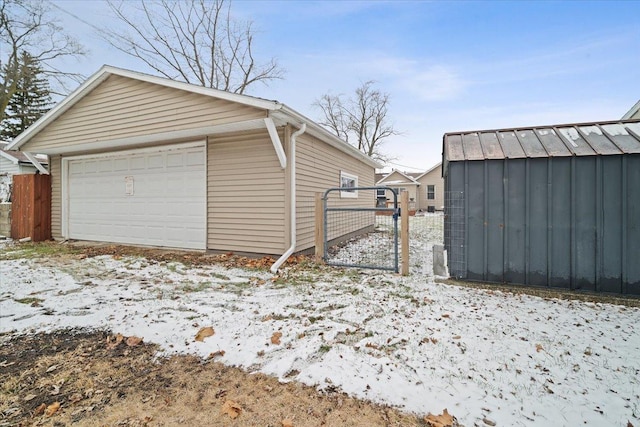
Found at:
(90, 378)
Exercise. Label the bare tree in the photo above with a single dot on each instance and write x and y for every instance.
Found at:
(196, 41)
(361, 121)
(29, 26)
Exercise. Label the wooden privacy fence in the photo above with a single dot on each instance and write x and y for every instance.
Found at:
(31, 207)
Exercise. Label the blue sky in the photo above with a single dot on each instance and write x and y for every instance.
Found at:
(447, 65)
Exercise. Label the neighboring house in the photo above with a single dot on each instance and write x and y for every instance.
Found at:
(139, 159)
(401, 182)
(426, 189)
(554, 206)
(633, 113)
(16, 163)
(431, 196)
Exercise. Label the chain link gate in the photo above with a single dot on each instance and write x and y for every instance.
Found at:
(357, 234)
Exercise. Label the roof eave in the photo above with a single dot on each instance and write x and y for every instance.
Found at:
(321, 133)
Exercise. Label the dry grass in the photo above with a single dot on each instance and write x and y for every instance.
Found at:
(101, 385)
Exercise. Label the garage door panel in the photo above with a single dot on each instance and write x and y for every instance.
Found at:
(167, 207)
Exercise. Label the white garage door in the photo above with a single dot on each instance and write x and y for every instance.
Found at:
(155, 198)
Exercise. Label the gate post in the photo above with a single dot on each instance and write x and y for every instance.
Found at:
(319, 229)
(404, 232)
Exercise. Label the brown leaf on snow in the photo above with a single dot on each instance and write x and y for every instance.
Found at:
(539, 348)
(629, 424)
(216, 354)
(134, 341)
(231, 408)
(275, 338)
(52, 409)
(204, 333)
(444, 420)
(446, 315)
(287, 423)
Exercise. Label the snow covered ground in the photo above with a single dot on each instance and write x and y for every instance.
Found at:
(487, 356)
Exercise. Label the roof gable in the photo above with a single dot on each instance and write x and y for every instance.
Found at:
(280, 113)
(397, 177)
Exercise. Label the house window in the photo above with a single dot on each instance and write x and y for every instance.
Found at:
(431, 192)
(348, 181)
(381, 193)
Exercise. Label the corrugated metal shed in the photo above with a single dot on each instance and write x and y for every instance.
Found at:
(554, 206)
(579, 139)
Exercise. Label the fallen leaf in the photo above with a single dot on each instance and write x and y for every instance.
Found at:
(275, 338)
(133, 341)
(204, 333)
(444, 420)
(539, 348)
(52, 409)
(51, 368)
(216, 354)
(29, 397)
(287, 423)
(446, 315)
(114, 341)
(231, 408)
(40, 410)
(457, 337)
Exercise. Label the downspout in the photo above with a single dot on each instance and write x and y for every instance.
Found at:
(292, 181)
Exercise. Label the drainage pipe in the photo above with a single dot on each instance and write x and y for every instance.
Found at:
(292, 181)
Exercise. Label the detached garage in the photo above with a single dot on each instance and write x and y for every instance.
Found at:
(553, 206)
(138, 159)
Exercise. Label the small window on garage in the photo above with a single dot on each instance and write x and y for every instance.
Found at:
(348, 181)
(431, 192)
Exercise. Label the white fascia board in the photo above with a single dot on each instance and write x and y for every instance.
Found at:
(60, 108)
(410, 179)
(321, 133)
(105, 71)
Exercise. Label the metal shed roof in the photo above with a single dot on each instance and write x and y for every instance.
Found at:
(578, 139)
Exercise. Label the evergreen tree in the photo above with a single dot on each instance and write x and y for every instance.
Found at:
(31, 99)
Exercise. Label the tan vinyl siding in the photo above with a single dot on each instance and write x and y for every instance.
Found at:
(432, 178)
(318, 167)
(397, 181)
(56, 196)
(121, 108)
(246, 196)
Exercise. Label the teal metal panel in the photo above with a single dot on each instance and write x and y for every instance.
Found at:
(564, 222)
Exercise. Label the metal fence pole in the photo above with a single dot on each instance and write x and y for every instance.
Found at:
(404, 231)
(319, 230)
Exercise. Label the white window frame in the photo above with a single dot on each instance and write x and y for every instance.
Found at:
(434, 192)
(348, 193)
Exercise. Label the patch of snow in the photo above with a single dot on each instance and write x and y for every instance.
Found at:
(405, 341)
(591, 129)
(615, 129)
